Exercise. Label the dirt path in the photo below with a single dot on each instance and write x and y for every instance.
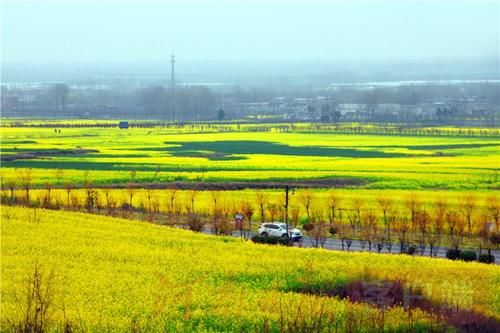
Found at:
(231, 186)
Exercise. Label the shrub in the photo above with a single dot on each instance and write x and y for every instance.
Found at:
(453, 254)
(259, 239)
(495, 238)
(127, 207)
(271, 240)
(410, 250)
(486, 258)
(284, 241)
(468, 255)
(333, 230)
(308, 227)
(194, 222)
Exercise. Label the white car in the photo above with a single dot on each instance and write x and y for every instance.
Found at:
(278, 229)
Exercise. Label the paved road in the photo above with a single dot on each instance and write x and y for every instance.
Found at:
(336, 244)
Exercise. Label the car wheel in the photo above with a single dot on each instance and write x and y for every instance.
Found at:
(264, 234)
(284, 235)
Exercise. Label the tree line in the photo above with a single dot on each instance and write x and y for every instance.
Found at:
(379, 223)
(273, 126)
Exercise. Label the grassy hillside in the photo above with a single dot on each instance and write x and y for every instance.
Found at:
(118, 275)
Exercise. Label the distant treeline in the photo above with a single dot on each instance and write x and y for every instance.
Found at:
(395, 129)
(465, 104)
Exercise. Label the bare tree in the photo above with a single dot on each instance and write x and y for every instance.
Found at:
(194, 221)
(216, 212)
(225, 225)
(423, 220)
(437, 225)
(487, 232)
(456, 228)
(110, 202)
(413, 204)
(26, 177)
(273, 210)
(9, 183)
(106, 192)
(171, 204)
(334, 200)
(319, 228)
(68, 186)
(90, 193)
(344, 231)
(389, 238)
(368, 228)
(74, 202)
(131, 188)
(402, 228)
(357, 207)
(247, 210)
(149, 198)
(468, 204)
(98, 204)
(123, 205)
(379, 237)
(47, 199)
(262, 200)
(294, 215)
(192, 194)
(36, 302)
(91, 199)
(386, 205)
(493, 206)
(307, 198)
(155, 209)
(352, 219)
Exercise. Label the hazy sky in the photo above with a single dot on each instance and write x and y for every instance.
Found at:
(81, 31)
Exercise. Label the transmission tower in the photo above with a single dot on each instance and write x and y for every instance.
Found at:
(172, 85)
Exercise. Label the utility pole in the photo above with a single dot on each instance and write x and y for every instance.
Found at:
(172, 85)
(287, 190)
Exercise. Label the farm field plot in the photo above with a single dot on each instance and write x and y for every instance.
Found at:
(374, 161)
(108, 274)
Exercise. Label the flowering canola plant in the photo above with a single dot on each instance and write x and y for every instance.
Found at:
(116, 275)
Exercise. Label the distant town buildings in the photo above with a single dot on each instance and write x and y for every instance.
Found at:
(358, 104)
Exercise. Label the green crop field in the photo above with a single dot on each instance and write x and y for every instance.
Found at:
(374, 161)
(107, 274)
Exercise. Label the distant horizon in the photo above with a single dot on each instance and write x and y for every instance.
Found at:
(222, 71)
(312, 60)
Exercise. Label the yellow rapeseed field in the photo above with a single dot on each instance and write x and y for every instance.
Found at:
(108, 274)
